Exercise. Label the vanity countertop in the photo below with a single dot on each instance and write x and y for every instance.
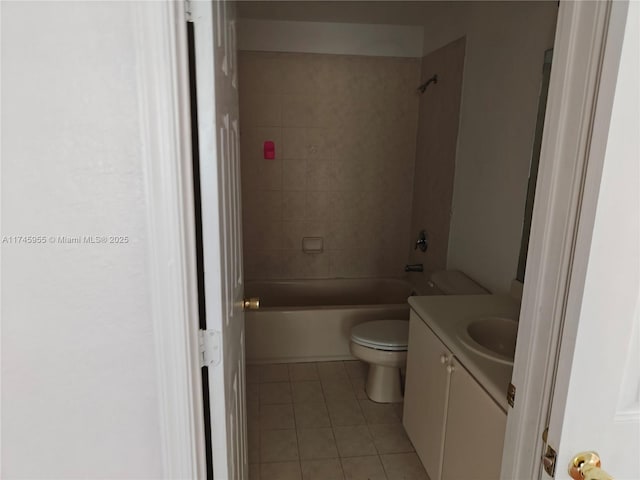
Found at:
(444, 313)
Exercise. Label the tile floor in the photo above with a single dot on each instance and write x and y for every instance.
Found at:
(313, 421)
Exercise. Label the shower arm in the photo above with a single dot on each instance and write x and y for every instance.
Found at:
(423, 87)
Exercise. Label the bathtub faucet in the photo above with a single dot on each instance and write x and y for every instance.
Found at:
(416, 267)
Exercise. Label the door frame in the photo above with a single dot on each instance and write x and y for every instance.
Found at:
(576, 86)
(587, 53)
(163, 91)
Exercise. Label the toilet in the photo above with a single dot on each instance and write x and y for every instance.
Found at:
(383, 343)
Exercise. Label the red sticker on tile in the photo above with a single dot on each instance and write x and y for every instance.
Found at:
(269, 150)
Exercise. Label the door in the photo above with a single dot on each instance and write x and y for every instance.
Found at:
(216, 95)
(596, 399)
(576, 363)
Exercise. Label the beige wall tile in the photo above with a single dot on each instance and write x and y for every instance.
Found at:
(300, 110)
(294, 175)
(260, 72)
(436, 155)
(318, 143)
(363, 261)
(252, 390)
(318, 205)
(253, 445)
(262, 234)
(347, 142)
(298, 73)
(253, 373)
(261, 110)
(297, 264)
(262, 264)
(263, 204)
(294, 205)
(252, 141)
(321, 176)
(294, 143)
(343, 234)
(262, 175)
(293, 232)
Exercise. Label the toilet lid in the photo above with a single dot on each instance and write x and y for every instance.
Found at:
(390, 335)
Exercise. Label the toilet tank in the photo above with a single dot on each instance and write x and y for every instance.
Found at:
(454, 282)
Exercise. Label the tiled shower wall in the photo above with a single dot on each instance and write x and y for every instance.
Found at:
(344, 129)
(436, 154)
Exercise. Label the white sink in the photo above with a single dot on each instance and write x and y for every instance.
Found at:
(491, 337)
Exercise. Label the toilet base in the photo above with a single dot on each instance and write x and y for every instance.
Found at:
(383, 379)
(383, 384)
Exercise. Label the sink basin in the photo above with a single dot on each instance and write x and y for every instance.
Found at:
(491, 337)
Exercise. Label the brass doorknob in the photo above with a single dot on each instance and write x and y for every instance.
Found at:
(251, 303)
(586, 466)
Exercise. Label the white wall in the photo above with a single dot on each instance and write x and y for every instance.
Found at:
(503, 72)
(394, 12)
(328, 37)
(79, 386)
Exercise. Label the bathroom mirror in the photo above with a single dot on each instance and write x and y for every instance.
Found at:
(535, 161)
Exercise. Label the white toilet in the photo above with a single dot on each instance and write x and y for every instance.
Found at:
(383, 343)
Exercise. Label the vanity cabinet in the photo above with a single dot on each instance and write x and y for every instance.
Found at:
(456, 428)
(474, 431)
(425, 394)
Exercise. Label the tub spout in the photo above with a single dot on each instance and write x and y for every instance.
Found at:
(416, 267)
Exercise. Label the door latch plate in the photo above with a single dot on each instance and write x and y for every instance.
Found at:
(550, 456)
(511, 395)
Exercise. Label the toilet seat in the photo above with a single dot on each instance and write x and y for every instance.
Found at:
(388, 335)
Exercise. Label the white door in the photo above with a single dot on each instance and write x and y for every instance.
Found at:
(576, 369)
(218, 132)
(596, 399)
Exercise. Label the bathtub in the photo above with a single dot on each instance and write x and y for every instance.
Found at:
(310, 320)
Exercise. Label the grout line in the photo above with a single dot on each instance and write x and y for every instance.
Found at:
(295, 424)
(295, 427)
(339, 458)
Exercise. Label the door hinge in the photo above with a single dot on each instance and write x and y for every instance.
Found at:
(188, 12)
(210, 354)
(511, 395)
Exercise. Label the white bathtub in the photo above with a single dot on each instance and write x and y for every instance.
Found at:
(310, 320)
